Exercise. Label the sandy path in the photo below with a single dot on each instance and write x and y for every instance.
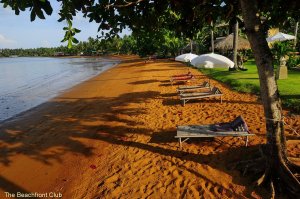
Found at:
(113, 136)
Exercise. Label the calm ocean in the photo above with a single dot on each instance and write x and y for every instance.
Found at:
(26, 82)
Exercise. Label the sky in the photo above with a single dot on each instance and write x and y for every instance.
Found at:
(20, 32)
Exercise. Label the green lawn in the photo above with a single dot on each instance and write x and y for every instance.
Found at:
(247, 81)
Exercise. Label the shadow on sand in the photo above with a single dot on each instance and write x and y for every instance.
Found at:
(69, 119)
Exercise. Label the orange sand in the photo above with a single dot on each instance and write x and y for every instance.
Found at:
(113, 136)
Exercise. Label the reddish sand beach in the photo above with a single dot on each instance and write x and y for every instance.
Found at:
(113, 137)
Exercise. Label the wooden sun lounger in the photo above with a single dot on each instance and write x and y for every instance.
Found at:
(151, 59)
(183, 78)
(182, 75)
(215, 92)
(237, 128)
(182, 89)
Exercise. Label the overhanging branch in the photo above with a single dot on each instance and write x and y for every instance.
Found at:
(123, 5)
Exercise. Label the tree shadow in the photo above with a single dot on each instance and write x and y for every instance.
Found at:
(62, 125)
(166, 84)
(11, 187)
(168, 95)
(69, 120)
(171, 102)
(290, 96)
(217, 160)
(166, 81)
(155, 70)
(163, 137)
(249, 78)
(149, 81)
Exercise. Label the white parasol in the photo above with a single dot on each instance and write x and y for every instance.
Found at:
(280, 37)
(212, 60)
(186, 57)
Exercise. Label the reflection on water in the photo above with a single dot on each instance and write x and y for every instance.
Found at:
(28, 82)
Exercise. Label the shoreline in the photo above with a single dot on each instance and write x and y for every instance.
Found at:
(113, 136)
(107, 64)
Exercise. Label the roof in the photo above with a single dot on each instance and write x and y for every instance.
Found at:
(227, 43)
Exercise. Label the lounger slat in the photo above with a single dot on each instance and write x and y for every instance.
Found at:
(197, 129)
(237, 128)
(199, 97)
(210, 133)
(215, 92)
(193, 87)
(190, 87)
(184, 134)
(211, 127)
(182, 78)
(194, 94)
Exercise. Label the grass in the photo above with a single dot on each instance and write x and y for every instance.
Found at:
(247, 81)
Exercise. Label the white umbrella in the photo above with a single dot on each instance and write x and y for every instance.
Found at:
(186, 57)
(212, 60)
(280, 37)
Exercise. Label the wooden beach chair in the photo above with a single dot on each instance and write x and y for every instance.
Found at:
(215, 92)
(182, 78)
(151, 58)
(183, 88)
(236, 128)
(182, 75)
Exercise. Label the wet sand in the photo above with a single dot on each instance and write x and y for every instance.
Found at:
(27, 82)
(113, 136)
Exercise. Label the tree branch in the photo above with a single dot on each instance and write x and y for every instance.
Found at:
(123, 5)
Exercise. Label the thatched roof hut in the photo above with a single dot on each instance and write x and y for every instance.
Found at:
(227, 43)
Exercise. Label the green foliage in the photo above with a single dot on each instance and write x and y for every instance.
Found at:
(248, 81)
(28, 52)
(161, 42)
(129, 45)
(202, 39)
(171, 44)
(293, 61)
(69, 34)
(281, 49)
(183, 17)
(115, 45)
(37, 7)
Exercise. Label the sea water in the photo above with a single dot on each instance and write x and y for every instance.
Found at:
(26, 82)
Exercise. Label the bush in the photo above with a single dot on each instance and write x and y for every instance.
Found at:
(293, 61)
(281, 49)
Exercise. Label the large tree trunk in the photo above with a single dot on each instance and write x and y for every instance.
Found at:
(212, 37)
(277, 170)
(235, 43)
(296, 32)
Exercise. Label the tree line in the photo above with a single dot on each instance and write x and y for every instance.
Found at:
(162, 43)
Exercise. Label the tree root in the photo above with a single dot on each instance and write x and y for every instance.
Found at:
(272, 190)
(254, 166)
(261, 180)
(294, 167)
(283, 179)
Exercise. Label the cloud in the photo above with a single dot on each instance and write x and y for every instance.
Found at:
(45, 43)
(4, 40)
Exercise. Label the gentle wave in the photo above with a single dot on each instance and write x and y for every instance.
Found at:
(28, 82)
